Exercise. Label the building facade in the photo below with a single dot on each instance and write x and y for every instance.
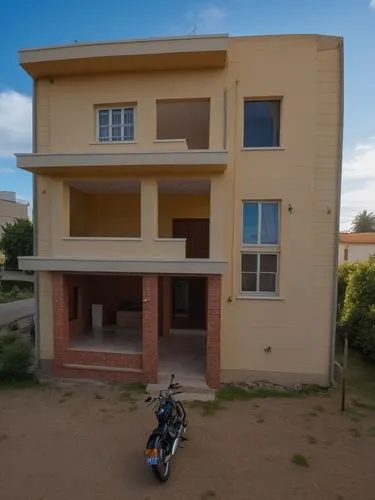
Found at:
(187, 207)
(11, 209)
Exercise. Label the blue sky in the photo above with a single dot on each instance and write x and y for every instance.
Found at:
(47, 22)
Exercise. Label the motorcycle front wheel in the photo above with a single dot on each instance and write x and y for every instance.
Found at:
(162, 470)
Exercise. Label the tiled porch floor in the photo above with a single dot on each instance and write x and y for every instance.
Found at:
(108, 339)
(182, 353)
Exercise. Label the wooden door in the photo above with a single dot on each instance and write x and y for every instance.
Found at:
(197, 234)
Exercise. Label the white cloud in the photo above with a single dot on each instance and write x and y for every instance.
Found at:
(372, 4)
(7, 170)
(208, 17)
(15, 123)
(358, 182)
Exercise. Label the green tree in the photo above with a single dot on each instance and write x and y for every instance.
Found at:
(364, 222)
(16, 240)
(358, 315)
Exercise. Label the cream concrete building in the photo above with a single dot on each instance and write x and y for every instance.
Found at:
(10, 209)
(356, 247)
(186, 197)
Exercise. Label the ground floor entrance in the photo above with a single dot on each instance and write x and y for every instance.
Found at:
(189, 303)
(137, 327)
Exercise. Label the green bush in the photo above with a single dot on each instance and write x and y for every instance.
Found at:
(345, 270)
(358, 314)
(16, 359)
(23, 287)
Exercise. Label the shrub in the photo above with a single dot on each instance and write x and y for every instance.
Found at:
(16, 359)
(13, 326)
(358, 314)
(345, 271)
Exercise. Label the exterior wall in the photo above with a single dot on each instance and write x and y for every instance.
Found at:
(11, 211)
(180, 206)
(297, 325)
(66, 107)
(302, 174)
(45, 316)
(105, 215)
(119, 215)
(356, 252)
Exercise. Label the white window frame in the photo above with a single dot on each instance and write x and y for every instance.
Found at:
(259, 249)
(123, 107)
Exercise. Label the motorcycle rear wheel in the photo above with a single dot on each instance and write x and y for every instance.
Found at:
(162, 471)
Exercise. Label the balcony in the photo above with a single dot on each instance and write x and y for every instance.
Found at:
(105, 219)
(130, 225)
(184, 120)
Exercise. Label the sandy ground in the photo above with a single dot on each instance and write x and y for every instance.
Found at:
(86, 443)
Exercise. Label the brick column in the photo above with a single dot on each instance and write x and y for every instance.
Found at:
(167, 304)
(150, 328)
(60, 316)
(213, 331)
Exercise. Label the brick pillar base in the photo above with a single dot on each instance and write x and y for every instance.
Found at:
(60, 317)
(150, 329)
(213, 331)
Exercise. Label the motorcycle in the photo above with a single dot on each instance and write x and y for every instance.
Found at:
(166, 438)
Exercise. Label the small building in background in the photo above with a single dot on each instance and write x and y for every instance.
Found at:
(11, 209)
(356, 246)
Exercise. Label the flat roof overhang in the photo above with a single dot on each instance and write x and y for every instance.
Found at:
(153, 54)
(112, 164)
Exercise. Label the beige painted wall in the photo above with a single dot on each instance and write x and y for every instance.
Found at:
(105, 215)
(64, 97)
(119, 215)
(11, 211)
(305, 72)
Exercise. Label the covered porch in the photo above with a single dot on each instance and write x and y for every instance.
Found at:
(126, 327)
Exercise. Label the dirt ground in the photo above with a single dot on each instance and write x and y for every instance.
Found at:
(87, 443)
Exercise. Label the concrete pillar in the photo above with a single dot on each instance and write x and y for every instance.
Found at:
(149, 209)
(60, 317)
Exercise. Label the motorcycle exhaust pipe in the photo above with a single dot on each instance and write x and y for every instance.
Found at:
(176, 442)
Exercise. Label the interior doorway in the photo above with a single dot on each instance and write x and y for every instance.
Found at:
(189, 303)
(197, 234)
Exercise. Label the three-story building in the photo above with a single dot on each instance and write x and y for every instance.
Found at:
(186, 197)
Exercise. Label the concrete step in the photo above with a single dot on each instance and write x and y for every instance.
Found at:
(192, 389)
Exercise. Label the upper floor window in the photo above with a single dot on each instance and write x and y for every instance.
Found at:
(260, 223)
(116, 124)
(260, 248)
(261, 128)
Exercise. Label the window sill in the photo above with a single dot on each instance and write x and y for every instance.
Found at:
(260, 297)
(108, 143)
(275, 148)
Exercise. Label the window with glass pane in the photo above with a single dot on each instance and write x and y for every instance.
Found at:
(260, 223)
(261, 127)
(259, 272)
(116, 124)
(104, 125)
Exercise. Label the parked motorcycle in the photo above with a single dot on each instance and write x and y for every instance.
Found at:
(166, 438)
